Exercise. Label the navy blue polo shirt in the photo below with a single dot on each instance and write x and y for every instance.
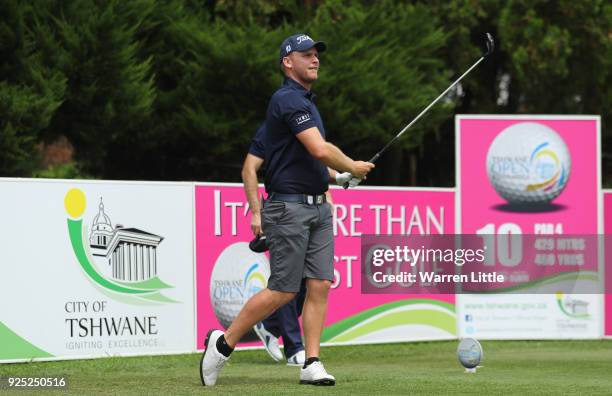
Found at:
(290, 168)
(257, 147)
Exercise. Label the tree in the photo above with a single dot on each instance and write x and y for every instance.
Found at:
(213, 79)
(561, 59)
(174, 89)
(109, 90)
(384, 65)
(30, 92)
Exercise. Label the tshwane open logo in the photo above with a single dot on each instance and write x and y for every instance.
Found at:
(129, 253)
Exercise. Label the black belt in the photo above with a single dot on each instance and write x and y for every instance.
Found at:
(302, 198)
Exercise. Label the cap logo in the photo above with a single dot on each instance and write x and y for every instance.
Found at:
(303, 37)
(288, 48)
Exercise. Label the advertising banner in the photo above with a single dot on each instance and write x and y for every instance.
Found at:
(607, 202)
(533, 176)
(228, 273)
(92, 269)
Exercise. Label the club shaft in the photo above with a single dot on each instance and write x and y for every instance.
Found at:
(377, 155)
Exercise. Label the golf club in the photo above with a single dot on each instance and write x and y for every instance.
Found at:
(490, 44)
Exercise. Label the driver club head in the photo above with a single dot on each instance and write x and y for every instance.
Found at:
(259, 244)
(490, 42)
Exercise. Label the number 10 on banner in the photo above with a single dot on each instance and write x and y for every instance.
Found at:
(504, 244)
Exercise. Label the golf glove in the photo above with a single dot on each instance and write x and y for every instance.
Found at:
(346, 177)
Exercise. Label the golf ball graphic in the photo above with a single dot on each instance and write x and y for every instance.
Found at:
(238, 274)
(528, 163)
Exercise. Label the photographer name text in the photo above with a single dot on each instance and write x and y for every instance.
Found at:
(432, 277)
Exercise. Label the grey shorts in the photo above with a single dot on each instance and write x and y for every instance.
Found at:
(301, 241)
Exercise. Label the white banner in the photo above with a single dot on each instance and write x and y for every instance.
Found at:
(95, 269)
(529, 316)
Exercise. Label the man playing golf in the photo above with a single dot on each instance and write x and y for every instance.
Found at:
(284, 321)
(296, 218)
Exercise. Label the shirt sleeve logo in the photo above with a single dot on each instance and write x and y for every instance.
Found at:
(302, 119)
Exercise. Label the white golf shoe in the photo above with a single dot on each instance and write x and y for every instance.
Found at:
(270, 342)
(297, 359)
(212, 360)
(315, 374)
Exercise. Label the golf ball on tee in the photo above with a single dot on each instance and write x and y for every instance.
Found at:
(469, 353)
(528, 163)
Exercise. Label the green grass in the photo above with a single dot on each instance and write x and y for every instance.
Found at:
(509, 367)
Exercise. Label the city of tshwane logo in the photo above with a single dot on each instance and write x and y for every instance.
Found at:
(129, 253)
(573, 308)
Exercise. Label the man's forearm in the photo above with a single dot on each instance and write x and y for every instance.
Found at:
(336, 159)
(251, 190)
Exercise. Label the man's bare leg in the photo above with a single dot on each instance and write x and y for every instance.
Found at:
(313, 314)
(259, 307)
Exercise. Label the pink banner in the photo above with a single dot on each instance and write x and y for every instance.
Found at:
(528, 175)
(531, 175)
(227, 273)
(607, 203)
